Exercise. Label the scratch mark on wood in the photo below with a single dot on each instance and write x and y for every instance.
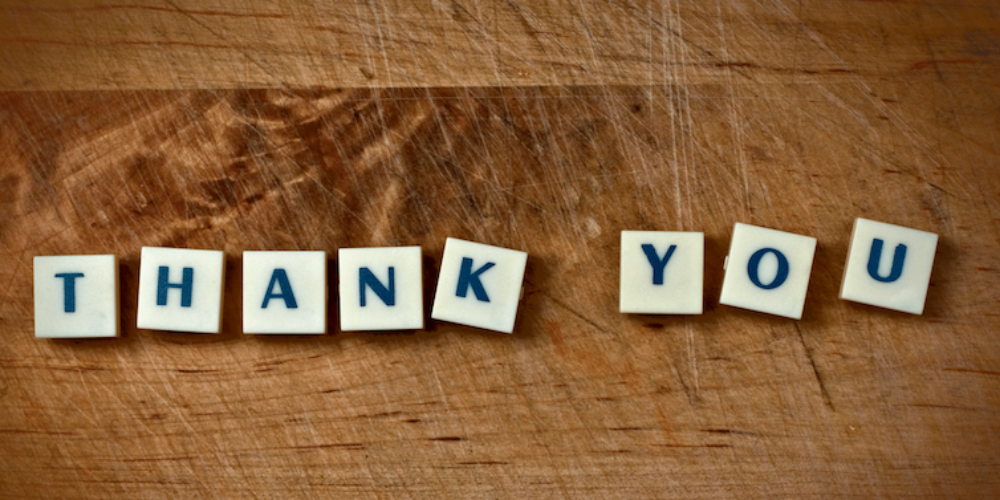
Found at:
(731, 431)
(931, 63)
(969, 370)
(693, 445)
(815, 370)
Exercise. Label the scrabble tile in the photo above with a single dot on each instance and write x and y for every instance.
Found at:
(662, 272)
(381, 288)
(889, 266)
(768, 271)
(479, 285)
(284, 292)
(76, 296)
(180, 290)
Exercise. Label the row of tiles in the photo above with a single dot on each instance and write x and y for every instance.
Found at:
(285, 292)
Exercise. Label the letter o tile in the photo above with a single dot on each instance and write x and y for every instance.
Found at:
(768, 271)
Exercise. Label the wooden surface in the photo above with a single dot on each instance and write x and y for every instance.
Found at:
(546, 128)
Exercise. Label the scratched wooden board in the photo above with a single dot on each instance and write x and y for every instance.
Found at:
(542, 128)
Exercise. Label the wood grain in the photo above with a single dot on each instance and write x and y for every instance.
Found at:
(581, 401)
(197, 44)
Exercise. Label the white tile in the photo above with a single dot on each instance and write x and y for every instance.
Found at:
(381, 288)
(284, 292)
(76, 296)
(662, 272)
(896, 277)
(479, 285)
(190, 297)
(768, 270)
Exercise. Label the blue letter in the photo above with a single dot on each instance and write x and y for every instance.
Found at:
(755, 263)
(280, 278)
(657, 263)
(388, 295)
(69, 290)
(897, 262)
(466, 278)
(163, 285)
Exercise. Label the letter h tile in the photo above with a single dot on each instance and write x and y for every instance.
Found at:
(180, 290)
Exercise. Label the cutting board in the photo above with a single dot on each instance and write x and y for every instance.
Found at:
(543, 127)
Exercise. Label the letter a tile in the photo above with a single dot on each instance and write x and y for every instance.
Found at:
(284, 292)
(479, 285)
(889, 266)
(76, 296)
(180, 290)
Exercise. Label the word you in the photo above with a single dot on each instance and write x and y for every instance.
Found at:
(285, 292)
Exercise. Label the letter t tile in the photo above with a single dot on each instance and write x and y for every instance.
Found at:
(76, 296)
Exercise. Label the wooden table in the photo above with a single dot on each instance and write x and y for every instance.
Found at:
(545, 127)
